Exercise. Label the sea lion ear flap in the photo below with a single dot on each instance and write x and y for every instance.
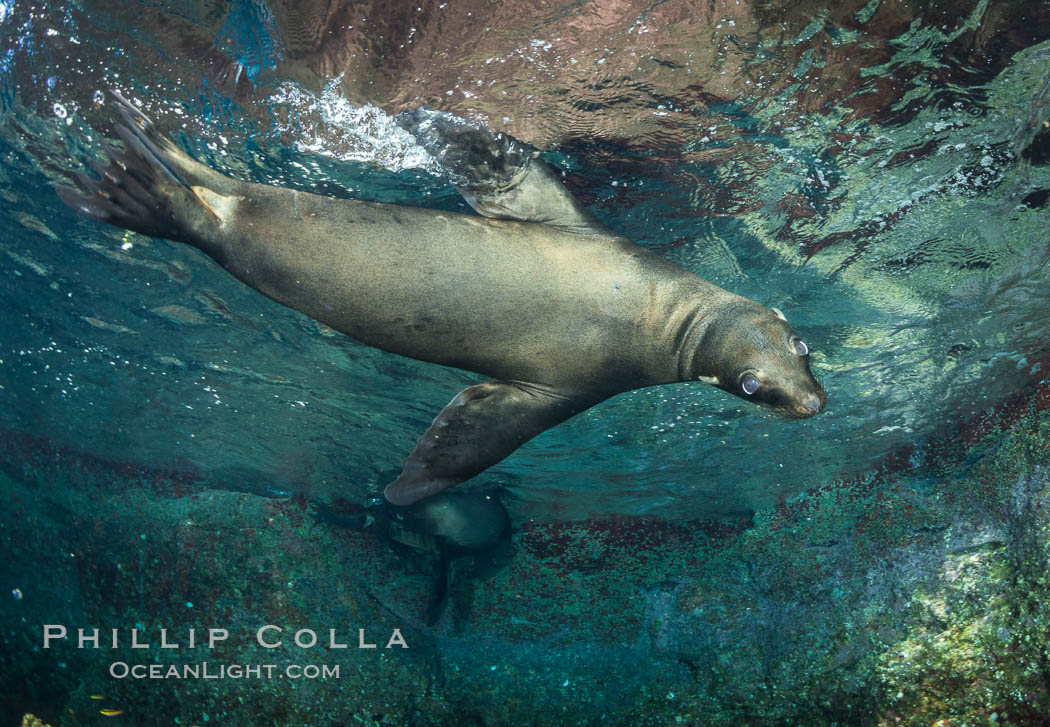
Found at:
(779, 315)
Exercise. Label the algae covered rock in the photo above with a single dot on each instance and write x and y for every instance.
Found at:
(912, 600)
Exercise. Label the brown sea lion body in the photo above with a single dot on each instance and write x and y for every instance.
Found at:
(559, 311)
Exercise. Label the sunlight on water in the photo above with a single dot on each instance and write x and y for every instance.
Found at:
(346, 132)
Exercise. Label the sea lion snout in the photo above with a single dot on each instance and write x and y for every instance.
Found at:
(799, 396)
(810, 405)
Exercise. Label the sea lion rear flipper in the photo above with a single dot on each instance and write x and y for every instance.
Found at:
(499, 176)
(163, 151)
(479, 427)
(150, 186)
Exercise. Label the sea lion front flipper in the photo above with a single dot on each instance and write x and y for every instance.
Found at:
(499, 176)
(479, 427)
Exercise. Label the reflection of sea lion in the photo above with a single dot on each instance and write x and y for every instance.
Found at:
(561, 312)
(448, 526)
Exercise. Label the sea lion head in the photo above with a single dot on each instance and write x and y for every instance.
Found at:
(471, 521)
(756, 355)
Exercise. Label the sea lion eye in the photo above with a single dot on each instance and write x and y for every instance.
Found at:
(801, 348)
(749, 384)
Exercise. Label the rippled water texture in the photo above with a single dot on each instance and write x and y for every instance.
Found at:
(878, 170)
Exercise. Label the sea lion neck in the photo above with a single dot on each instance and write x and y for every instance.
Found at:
(696, 320)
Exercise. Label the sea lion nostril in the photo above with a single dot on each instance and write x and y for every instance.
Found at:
(812, 403)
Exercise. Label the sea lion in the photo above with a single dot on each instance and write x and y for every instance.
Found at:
(448, 527)
(559, 311)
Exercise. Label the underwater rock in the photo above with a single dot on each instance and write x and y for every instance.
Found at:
(29, 720)
(892, 603)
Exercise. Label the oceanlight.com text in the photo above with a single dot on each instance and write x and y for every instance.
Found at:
(212, 670)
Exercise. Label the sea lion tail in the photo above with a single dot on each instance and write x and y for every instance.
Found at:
(149, 186)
